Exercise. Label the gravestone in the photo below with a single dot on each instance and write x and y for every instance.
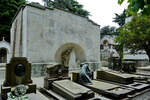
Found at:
(55, 72)
(18, 71)
(57, 80)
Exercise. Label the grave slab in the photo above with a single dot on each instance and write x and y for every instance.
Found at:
(71, 90)
(114, 76)
(109, 90)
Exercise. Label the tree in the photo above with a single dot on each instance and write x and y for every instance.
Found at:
(70, 5)
(108, 30)
(120, 19)
(135, 35)
(136, 6)
(8, 8)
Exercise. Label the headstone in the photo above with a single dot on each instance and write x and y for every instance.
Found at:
(58, 81)
(55, 72)
(115, 92)
(18, 71)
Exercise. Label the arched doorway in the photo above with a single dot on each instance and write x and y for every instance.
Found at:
(70, 55)
(3, 55)
(4, 52)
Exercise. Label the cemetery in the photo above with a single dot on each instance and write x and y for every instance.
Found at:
(55, 55)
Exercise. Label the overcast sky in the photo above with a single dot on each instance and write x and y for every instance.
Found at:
(102, 11)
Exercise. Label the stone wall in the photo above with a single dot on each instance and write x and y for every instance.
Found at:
(46, 33)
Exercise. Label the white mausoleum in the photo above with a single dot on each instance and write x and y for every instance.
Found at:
(50, 35)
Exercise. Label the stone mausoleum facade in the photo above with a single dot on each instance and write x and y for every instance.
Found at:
(50, 35)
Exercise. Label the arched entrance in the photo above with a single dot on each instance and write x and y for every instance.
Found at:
(3, 55)
(70, 55)
(4, 52)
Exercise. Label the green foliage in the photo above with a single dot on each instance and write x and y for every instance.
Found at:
(135, 35)
(70, 5)
(120, 19)
(8, 9)
(108, 30)
(136, 6)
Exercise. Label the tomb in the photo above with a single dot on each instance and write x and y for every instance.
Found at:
(72, 90)
(110, 90)
(67, 38)
(123, 79)
(18, 71)
(55, 72)
(58, 82)
(137, 83)
(107, 89)
(100, 87)
(115, 76)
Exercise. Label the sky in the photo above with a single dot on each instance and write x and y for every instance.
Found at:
(102, 11)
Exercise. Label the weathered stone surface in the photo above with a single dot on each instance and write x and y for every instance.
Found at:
(18, 71)
(75, 76)
(138, 86)
(71, 90)
(115, 77)
(109, 90)
(48, 81)
(46, 33)
(5, 45)
(56, 71)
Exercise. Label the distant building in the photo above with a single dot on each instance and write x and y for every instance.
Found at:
(5, 52)
(107, 46)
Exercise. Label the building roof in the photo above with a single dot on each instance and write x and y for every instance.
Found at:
(44, 8)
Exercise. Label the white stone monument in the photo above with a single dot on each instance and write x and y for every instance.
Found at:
(43, 34)
(5, 52)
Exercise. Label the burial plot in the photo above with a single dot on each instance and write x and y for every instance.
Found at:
(55, 72)
(122, 79)
(110, 90)
(115, 77)
(104, 88)
(57, 80)
(18, 71)
(72, 90)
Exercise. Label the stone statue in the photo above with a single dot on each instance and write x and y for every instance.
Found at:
(84, 75)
